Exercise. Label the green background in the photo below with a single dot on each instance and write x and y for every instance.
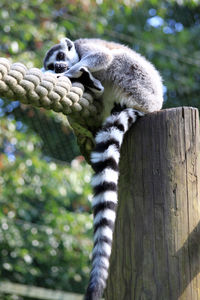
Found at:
(45, 194)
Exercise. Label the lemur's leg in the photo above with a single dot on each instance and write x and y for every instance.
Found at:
(93, 62)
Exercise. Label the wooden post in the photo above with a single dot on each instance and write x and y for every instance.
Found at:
(156, 250)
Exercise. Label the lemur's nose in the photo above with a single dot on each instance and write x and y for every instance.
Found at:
(60, 68)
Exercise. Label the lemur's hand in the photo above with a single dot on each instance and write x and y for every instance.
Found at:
(75, 71)
(85, 77)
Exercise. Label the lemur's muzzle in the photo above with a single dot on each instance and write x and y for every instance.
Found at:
(60, 68)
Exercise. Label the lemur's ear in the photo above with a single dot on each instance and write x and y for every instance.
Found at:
(66, 43)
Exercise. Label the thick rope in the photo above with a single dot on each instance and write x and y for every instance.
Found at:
(32, 86)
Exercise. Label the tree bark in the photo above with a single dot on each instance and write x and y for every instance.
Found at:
(156, 248)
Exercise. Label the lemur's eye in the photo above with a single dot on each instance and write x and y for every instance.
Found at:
(60, 56)
(50, 67)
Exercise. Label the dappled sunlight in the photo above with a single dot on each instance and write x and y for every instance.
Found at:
(45, 192)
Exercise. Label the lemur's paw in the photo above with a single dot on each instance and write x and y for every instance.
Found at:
(74, 72)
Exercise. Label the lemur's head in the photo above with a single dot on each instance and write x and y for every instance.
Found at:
(61, 57)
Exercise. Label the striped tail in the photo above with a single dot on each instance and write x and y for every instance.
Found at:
(105, 162)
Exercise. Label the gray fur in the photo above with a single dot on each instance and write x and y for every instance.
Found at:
(132, 82)
(128, 78)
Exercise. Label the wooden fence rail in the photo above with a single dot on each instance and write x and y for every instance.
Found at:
(156, 251)
(36, 292)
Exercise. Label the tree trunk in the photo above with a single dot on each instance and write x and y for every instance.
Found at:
(156, 248)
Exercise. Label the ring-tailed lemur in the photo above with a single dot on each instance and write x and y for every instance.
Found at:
(132, 82)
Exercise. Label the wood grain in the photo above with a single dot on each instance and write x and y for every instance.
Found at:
(156, 250)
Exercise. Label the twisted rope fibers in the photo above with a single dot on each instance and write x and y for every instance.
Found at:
(32, 86)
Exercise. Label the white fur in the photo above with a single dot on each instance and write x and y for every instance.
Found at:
(107, 175)
(103, 231)
(104, 197)
(122, 118)
(52, 59)
(110, 119)
(104, 136)
(100, 248)
(64, 44)
(107, 214)
(101, 156)
(71, 56)
(101, 260)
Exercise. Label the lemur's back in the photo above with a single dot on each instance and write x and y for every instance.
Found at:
(133, 79)
(100, 42)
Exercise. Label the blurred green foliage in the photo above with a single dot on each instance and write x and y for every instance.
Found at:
(45, 220)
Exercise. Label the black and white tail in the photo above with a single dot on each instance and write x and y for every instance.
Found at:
(105, 162)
